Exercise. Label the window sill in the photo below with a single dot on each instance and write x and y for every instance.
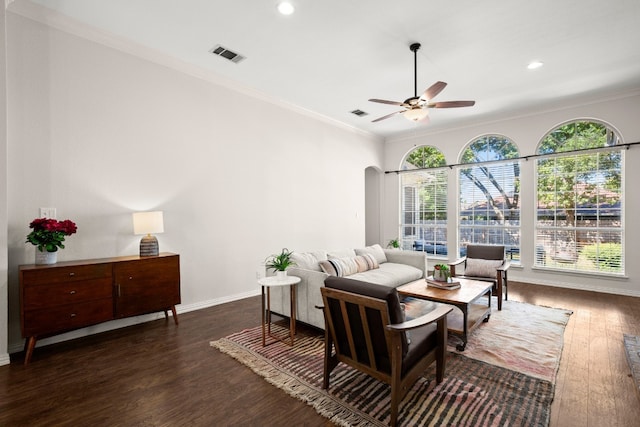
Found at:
(609, 276)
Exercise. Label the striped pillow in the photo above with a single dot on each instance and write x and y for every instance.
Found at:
(342, 267)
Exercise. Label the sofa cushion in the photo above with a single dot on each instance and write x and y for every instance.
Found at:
(375, 250)
(341, 253)
(390, 274)
(477, 267)
(309, 260)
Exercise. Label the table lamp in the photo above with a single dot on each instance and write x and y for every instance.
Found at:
(147, 223)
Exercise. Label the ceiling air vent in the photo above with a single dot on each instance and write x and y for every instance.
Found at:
(226, 53)
(359, 113)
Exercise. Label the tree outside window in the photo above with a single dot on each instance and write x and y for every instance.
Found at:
(579, 216)
(490, 195)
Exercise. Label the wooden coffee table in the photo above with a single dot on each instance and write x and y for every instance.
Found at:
(466, 299)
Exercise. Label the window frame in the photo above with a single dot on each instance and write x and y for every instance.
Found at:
(553, 253)
(429, 229)
(509, 231)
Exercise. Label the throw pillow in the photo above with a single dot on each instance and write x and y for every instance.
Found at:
(477, 267)
(339, 267)
(375, 250)
(342, 267)
(361, 263)
(328, 268)
(372, 262)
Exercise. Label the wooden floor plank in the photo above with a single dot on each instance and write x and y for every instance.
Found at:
(160, 374)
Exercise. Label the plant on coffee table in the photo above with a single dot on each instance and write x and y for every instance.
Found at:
(441, 272)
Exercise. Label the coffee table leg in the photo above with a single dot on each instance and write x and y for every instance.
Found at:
(486, 319)
(465, 327)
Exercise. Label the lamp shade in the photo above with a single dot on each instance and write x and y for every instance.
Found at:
(148, 222)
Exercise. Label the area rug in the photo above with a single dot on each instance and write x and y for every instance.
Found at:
(474, 393)
(522, 337)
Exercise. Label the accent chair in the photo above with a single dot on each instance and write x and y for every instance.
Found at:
(486, 263)
(365, 329)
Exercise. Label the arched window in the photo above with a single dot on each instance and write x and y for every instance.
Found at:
(424, 201)
(490, 195)
(579, 216)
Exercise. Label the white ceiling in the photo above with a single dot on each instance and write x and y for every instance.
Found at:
(331, 56)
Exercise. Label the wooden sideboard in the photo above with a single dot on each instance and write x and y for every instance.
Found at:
(74, 294)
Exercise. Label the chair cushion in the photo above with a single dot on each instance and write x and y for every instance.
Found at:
(423, 340)
(482, 267)
(386, 293)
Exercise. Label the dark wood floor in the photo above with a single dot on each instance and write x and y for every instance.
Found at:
(159, 374)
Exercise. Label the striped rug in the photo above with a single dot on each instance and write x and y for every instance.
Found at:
(474, 393)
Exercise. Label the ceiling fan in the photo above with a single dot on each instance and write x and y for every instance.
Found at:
(417, 107)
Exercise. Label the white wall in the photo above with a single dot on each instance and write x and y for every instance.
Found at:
(4, 355)
(98, 133)
(526, 131)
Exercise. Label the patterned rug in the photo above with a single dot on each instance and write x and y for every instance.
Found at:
(474, 393)
(523, 337)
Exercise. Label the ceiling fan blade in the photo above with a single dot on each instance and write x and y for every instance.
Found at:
(384, 101)
(433, 90)
(451, 104)
(387, 116)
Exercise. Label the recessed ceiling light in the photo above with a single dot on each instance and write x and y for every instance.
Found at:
(535, 64)
(286, 8)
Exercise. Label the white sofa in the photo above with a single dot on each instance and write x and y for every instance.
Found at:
(394, 268)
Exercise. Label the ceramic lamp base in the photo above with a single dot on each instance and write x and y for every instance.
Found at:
(149, 246)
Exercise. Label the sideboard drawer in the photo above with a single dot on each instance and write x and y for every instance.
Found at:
(41, 276)
(74, 294)
(50, 295)
(67, 317)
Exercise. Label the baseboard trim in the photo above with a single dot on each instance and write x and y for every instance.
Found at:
(123, 323)
(4, 359)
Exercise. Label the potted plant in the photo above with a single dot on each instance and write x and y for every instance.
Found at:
(394, 243)
(47, 235)
(280, 262)
(441, 272)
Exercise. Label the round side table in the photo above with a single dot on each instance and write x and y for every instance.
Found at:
(267, 283)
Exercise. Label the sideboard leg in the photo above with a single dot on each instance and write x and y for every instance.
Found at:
(29, 345)
(175, 314)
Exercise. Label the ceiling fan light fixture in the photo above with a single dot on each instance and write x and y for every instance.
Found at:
(535, 64)
(286, 8)
(416, 114)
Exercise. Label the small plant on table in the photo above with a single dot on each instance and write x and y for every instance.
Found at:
(441, 272)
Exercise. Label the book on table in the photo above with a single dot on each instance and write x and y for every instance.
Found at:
(450, 284)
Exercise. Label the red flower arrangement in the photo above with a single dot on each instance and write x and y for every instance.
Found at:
(48, 234)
